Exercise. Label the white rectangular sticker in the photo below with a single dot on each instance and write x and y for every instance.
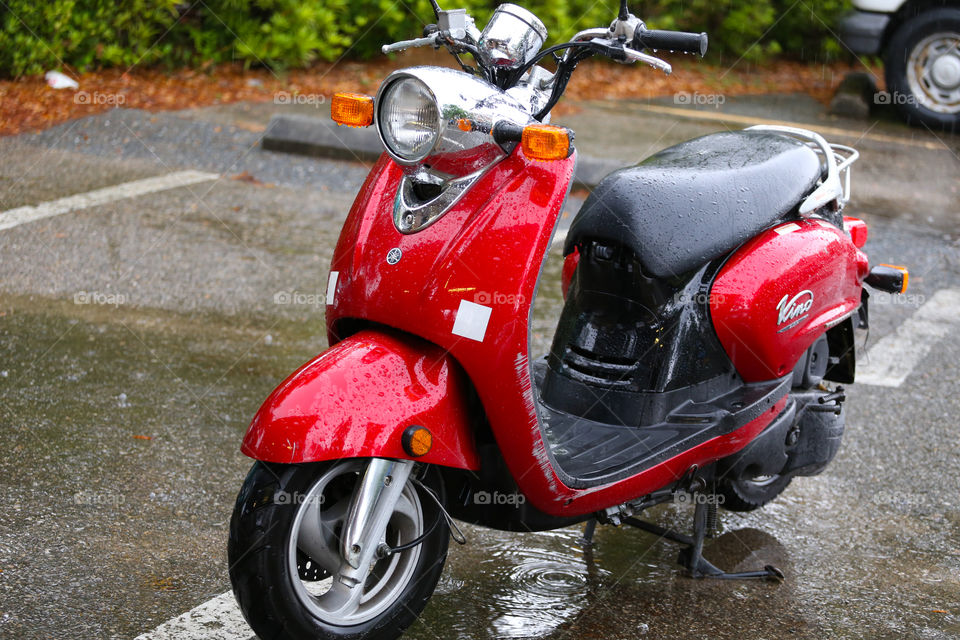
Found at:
(787, 228)
(332, 287)
(471, 320)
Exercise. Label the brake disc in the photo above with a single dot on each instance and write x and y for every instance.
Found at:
(308, 569)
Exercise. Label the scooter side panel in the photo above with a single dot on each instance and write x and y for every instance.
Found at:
(781, 291)
(466, 284)
(357, 398)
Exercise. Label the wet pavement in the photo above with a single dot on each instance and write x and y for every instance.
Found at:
(137, 338)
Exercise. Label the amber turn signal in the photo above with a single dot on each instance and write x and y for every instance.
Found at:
(889, 278)
(906, 276)
(352, 109)
(545, 142)
(417, 441)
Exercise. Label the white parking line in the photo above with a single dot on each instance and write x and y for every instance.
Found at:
(559, 238)
(216, 619)
(14, 217)
(892, 359)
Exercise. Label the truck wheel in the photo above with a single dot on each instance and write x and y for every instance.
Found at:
(923, 69)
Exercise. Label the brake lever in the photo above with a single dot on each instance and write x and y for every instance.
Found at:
(431, 40)
(636, 56)
(615, 50)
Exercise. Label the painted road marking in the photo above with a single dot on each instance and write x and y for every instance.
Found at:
(559, 239)
(891, 360)
(216, 619)
(20, 215)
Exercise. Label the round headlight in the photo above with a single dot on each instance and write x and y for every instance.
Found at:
(409, 121)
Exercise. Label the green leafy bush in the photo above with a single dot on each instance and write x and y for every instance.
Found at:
(276, 33)
(36, 36)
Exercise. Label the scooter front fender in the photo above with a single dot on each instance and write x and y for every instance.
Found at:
(356, 399)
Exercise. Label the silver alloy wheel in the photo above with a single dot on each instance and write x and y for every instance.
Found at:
(321, 517)
(762, 481)
(933, 72)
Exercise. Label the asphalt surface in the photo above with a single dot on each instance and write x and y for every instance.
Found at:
(137, 338)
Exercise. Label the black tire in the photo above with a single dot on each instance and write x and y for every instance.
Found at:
(258, 553)
(746, 494)
(909, 36)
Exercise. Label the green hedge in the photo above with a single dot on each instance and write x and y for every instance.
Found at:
(86, 34)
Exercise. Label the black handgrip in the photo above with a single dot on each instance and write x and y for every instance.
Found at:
(695, 43)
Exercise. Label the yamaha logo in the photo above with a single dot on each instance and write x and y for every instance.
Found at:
(794, 309)
(394, 255)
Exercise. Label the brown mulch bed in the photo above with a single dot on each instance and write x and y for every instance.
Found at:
(28, 104)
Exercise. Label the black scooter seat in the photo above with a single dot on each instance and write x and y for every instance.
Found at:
(698, 200)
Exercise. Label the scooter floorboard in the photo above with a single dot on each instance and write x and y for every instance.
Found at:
(588, 453)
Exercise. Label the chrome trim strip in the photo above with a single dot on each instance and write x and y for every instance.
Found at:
(411, 216)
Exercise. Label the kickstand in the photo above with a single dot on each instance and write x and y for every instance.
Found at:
(587, 538)
(699, 567)
(692, 556)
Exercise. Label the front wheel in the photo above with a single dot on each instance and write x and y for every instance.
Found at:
(285, 559)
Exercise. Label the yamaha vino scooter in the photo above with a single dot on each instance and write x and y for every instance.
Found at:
(711, 297)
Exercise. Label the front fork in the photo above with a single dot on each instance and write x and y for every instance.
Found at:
(371, 508)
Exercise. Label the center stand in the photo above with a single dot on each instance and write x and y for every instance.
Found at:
(691, 556)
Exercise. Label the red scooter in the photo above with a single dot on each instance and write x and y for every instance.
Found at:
(710, 293)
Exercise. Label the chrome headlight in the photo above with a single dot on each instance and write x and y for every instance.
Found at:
(442, 119)
(438, 123)
(409, 121)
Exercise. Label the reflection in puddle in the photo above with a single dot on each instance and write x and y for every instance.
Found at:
(544, 590)
(508, 585)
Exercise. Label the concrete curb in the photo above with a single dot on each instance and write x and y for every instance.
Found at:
(320, 138)
(855, 96)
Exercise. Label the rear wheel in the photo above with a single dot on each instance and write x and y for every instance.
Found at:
(284, 554)
(748, 491)
(923, 68)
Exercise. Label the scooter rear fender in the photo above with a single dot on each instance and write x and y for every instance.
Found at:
(356, 399)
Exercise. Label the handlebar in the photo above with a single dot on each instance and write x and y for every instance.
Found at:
(624, 41)
(695, 43)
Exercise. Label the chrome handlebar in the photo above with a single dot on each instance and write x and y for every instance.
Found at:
(614, 39)
(431, 40)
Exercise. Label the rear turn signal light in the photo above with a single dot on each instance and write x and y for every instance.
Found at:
(352, 109)
(417, 441)
(546, 142)
(889, 278)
